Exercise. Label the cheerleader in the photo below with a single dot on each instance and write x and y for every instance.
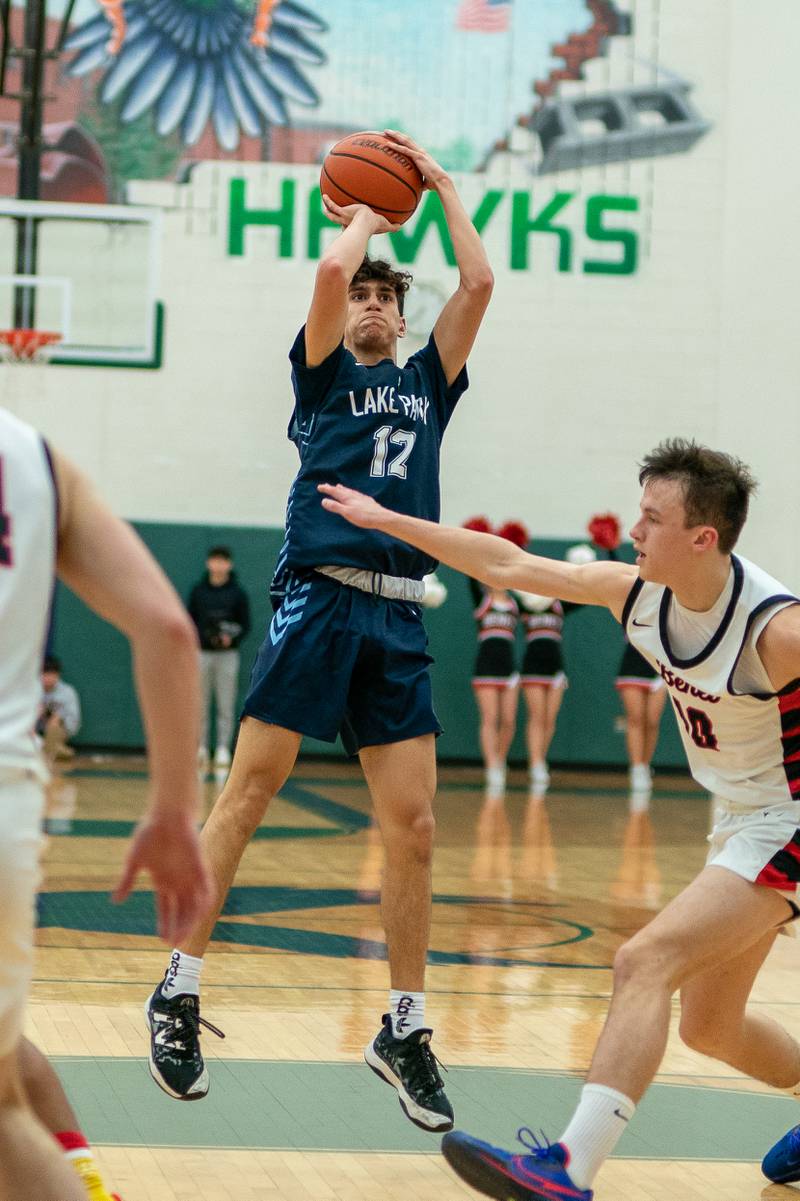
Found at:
(640, 687)
(495, 681)
(643, 696)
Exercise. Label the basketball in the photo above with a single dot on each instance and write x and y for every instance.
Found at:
(366, 168)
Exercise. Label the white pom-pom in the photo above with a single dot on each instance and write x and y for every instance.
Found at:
(435, 592)
(533, 602)
(580, 554)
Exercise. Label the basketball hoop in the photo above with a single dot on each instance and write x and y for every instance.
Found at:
(26, 345)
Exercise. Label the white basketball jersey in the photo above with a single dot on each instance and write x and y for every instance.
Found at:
(27, 566)
(742, 739)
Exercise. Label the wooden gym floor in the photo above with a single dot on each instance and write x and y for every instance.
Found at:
(532, 896)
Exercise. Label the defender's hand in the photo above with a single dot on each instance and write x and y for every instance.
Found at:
(354, 506)
(169, 849)
(345, 215)
(432, 173)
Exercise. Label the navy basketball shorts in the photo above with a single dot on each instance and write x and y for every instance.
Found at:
(340, 661)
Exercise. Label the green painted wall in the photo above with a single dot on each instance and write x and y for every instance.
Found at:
(97, 661)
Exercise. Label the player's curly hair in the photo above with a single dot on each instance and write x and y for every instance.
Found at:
(716, 487)
(385, 273)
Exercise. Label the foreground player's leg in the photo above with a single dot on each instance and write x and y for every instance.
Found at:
(31, 1166)
(51, 1106)
(715, 1021)
(265, 756)
(719, 918)
(402, 783)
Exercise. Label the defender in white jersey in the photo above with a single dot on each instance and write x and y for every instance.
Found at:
(726, 638)
(51, 519)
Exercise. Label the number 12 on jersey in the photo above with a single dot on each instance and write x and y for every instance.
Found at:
(397, 465)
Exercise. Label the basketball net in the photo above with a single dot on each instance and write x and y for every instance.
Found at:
(26, 346)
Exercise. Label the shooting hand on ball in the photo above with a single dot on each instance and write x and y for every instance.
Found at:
(354, 506)
(345, 215)
(432, 173)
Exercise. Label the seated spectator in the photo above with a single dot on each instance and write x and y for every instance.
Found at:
(59, 712)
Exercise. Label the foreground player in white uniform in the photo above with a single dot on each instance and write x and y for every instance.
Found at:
(726, 639)
(50, 517)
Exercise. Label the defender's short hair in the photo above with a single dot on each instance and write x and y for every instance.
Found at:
(379, 269)
(220, 552)
(716, 487)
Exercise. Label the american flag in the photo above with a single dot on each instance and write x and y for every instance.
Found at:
(485, 16)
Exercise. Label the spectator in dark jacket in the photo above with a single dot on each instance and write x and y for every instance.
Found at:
(221, 611)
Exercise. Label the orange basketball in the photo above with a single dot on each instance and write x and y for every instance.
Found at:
(366, 168)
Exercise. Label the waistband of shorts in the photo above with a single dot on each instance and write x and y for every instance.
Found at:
(390, 587)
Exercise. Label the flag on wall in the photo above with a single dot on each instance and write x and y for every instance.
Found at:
(485, 16)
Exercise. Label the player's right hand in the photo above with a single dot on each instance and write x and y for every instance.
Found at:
(344, 215)
(354, 506)
(169, 849)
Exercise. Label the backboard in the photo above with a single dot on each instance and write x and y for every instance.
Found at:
(95, 282)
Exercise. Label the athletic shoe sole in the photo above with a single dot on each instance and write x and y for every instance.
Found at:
(202, 1079)
(425, 1119)
(481, 1176)
(790, 1176)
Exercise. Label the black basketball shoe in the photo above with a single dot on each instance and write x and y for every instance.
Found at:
(410, 1066)
(176, 1061)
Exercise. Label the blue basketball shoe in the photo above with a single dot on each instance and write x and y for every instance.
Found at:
(782, 1163)
(539, 1175)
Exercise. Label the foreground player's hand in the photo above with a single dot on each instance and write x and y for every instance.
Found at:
(354, 506)
(344, 215)
(169, 849)
(432, 172)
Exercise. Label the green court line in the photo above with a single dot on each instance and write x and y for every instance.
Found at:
(676, 794)
(343, 819)
(312, 1106)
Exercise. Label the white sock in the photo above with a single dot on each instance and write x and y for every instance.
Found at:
(496, 778)
(638, 802)
(183, 975)
(596, 1127)
(407, 1011)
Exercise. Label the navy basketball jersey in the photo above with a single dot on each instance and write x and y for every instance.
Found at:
(377, 429)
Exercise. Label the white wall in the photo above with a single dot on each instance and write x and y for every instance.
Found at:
(574, 376)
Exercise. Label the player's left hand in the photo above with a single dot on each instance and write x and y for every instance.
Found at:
(354, 506)
(344, 215)
(432, 173)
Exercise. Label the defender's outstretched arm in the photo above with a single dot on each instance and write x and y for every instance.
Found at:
(485, 557)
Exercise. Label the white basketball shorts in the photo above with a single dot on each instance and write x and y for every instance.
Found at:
(21, 812)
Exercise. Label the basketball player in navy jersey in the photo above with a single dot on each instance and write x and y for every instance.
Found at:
(346, 650)
(725, 638)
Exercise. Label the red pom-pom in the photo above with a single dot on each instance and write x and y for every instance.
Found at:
(604, 531)
(515, 532)
(481, 525)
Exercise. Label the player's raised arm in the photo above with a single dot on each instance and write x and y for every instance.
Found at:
(460, 319)
(326, 317)
(495, 561)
